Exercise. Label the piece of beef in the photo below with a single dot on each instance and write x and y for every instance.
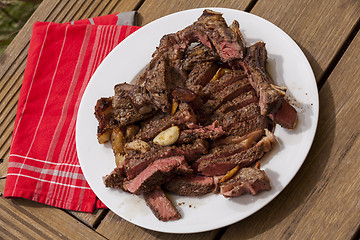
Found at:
(258, 54)
(128, 114)
(201, 74)
(229, 77)
(157, 84)
(161, 206)
(242, 128)
(197, 54)
(220, 165)
(105, 117)
(115, 179)
(238, 102)
(194, 150)
(243, 114)
(217, 152)
(212, 131)
(269, 95)
(153, 126)
(247, 180)
(228, 93)
(138, 96)
(130, 104)
(286, 116)
(157, 173)
(193, 185)
(226, 41)
(136, 162)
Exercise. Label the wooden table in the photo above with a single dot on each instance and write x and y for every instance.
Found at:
(321, 202)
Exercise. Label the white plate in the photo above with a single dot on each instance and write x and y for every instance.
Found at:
(287, 65)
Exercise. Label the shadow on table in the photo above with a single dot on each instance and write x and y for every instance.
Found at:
(306, 182)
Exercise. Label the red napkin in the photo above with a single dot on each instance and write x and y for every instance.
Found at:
(43, 164)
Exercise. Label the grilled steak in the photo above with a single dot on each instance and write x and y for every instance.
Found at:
(220, 165)
(198, 54)
(201, 74)
(228, 78)
(137, 162)
(212, 131)
(245, 127)
(247, 180)
(226, 41)
(228, 93)
(269, 97)
(103, 113)
(161, 206)
(238, 102)
(258, 54)
(243, 114)
(157, 173)
(193, 185)
(115, 179)
(286, 116)
(153, 126)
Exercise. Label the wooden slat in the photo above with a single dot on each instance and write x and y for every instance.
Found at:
(319, 27)
(166, 7)
(13, 62)
(322, 202)
(21, 220)
(114, 227)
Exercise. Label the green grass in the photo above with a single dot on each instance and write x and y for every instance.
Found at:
(13, 16)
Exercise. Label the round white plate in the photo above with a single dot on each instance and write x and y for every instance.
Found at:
(287, 65)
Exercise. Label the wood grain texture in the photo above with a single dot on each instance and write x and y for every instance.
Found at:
(21, 220)
(13, 62)
(114, 227)
(319, 27)
(323, 200)
(165, 7)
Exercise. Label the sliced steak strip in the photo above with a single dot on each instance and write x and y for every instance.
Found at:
(131, 104)
(152, 127)
(128, 114)
(197, 54)
(138, 96)
(212, 131)
(137, 162)
(161, 206)
(238, 102)
(115, 179)
(195, 150)
(105, 117)
(286, 116)
(258, 54)
(194, 185)
(201, 74)
(219, 166)
(157, 173)
(228, 93)
(219, 84)
(269, 96)
(158, 86)
(243, 114)
(241, 128)
(226, 41)
(246, 180)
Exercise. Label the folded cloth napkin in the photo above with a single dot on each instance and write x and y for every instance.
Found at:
(43, 164)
